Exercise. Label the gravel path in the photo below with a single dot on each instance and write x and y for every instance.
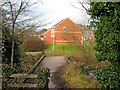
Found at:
(53, 63)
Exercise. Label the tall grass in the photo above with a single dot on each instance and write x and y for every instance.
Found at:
(87, 53)
(74, 76)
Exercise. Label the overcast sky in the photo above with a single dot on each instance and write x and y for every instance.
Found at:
(53, 11)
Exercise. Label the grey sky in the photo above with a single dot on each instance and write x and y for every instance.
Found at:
(53, 11)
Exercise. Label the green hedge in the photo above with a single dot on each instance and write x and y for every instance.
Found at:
(105, 17)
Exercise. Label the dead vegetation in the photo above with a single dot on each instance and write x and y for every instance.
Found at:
(29, 60)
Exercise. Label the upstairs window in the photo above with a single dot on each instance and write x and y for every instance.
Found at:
(64, 28)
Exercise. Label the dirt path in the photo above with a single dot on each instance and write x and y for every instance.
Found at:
(54, 63)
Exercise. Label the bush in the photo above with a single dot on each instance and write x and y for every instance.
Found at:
(7, 45)
(7, 70)
(98, 65)
(43, 76)
(105, 18)
(108, 77)
(86, 54)
(29, 61)
(33, 44)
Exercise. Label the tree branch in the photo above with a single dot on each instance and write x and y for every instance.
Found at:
(83, 5)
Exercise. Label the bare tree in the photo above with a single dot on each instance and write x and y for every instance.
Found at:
(84, 3)
(14, 11)
(72, 35)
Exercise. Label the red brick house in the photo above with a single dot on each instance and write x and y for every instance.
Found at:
(64, 32)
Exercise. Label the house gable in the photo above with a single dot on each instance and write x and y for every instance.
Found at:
(64, 26)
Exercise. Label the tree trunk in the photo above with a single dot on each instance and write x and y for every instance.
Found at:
(12, 53)
(13, 44)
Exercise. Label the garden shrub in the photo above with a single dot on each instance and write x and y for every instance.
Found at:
(105, 17)
(108, 77)
(7, 70)
(43, 76)
(33, 44)
(6, 48)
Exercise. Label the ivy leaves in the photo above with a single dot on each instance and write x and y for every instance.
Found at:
(108, 77)
(43, 76)
(107, 33)
(106, 18)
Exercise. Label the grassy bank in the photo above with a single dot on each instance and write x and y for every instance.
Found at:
(76, 76)
(63, 49)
